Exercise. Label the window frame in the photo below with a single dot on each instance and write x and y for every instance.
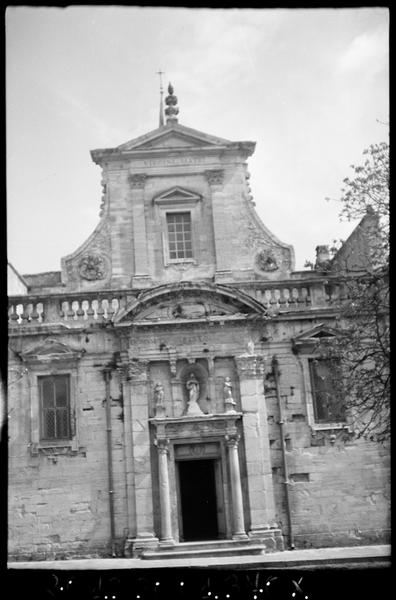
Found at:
(43, 410)
(52, 357)
(315, 391)
(310, 402)
(178, 200)
(184, 259)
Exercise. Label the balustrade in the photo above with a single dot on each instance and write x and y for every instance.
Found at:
(25, 310)
(76, 308)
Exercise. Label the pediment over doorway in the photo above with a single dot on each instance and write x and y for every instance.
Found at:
(188, 302)
(313, 336)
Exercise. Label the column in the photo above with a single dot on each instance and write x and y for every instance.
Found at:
(141, 275)
(258, 463)
(138, 386)
(236, 489)
(165, 504)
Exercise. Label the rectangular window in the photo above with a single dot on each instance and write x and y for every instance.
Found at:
(179, 235)
(54, 393)
(326, 393)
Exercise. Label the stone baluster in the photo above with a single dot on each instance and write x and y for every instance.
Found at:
(164, 491)
(80, 311)
(236, 488)
(90, 310)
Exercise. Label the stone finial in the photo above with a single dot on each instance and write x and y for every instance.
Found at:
(171, 109)
(322, 257)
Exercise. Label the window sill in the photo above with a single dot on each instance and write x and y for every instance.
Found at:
(328, 426)
(53, 449)
(180, 261)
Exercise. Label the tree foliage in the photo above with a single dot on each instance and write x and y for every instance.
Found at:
(362, 339)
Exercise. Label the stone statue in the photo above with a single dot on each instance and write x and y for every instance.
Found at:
(250, 347)
(159, 396)
(193, 389)
(228, 399)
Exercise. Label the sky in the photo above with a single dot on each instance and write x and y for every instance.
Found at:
(309, 86)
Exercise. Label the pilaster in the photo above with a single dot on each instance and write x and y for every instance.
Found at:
(138, 397)
(137, 183)
(258, 465)
(215, 179)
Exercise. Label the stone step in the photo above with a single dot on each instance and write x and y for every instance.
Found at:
(188, 550)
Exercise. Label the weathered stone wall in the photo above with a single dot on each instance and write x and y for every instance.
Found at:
(59, 505)
(339, 486)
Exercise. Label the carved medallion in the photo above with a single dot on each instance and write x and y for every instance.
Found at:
(92, 267)
(265, 261)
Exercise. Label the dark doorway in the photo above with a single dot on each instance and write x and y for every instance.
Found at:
(198, 500)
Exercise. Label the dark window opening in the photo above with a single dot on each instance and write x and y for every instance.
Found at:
(326, 393)
(55, 407)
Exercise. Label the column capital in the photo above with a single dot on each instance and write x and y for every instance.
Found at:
(250, 365)
(137, 180)
(162, 445)
(136, 370)
(232, 440)
(215, 177)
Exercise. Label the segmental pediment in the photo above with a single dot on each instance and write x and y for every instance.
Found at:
(185, 301)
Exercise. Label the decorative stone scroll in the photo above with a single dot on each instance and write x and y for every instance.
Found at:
(137, 180)
(215, 177)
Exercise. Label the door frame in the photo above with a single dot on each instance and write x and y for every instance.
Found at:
(220, 474)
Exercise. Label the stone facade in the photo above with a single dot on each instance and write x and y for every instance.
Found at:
(130, 328)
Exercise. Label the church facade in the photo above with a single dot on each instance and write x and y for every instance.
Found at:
(165, 394)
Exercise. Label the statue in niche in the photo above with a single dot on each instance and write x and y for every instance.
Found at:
(228, 399)
(250, 347)
(159, 397)
(193, 389)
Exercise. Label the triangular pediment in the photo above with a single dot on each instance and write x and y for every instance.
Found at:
(176, 195)
(314, 335)
(189, 302)
(50, 349)
(174, 136)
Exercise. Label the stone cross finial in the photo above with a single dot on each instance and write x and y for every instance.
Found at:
(171, 109)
